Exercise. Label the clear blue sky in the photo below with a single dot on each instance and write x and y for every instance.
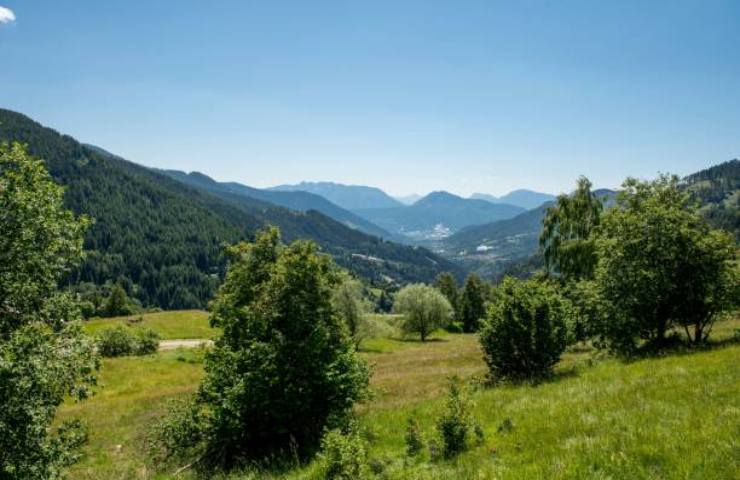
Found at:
(411, 96)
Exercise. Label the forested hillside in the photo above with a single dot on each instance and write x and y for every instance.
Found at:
(163, 240)
(718, 190)
(294, 200)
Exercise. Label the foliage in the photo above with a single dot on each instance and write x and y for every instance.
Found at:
(413, 438)
(352, 307)
(120, 341)
(565, 240)
(447, 285)
(44, 356)
(525, 332)
(344, 455)
(283, 369)
(424, 309)
(472, 303)
(660, 266)
(456, 425)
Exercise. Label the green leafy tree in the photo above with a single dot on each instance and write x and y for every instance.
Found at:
(566, 242)
(472, 303)
(282, 371)
(525, 332)
(117, 302)
(352, 307)
(660, 266)
(424, 309)
(447, 285)
(44, 355)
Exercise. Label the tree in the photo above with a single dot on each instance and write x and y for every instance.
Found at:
(424, 309)
(283, 369)
(44, 356)
(566, 243)
(352, 307)
(472, 303)
(447, 285)
(525, 331)
(660, 266)
(117, 302)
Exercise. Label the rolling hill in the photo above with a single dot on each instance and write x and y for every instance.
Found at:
(437, 215)
(351, 197)
(163, 239)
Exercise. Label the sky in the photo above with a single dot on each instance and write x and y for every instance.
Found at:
(410, 96)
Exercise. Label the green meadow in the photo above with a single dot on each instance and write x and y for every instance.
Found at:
(671, 417)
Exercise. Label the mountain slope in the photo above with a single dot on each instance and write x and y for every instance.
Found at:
(351, 197)
(527, 199)
(294, 200)
(718, 190)
(437, 215)
(163, 240)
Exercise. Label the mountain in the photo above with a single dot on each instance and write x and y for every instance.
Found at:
(351, 197)
(492, 247)
(294, 200)
(163, 240)
(527, 199)
(437, 215)
(409, 199)
(718, 190)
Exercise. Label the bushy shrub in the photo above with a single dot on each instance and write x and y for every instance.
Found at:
(120, 341)
(147, 341)
(413, 438)
(344, 455)
(456, 423)
(525, 332)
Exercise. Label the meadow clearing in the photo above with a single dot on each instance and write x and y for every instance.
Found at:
(675, 416)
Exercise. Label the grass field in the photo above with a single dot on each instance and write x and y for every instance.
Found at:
(674, 417)
(181, 324)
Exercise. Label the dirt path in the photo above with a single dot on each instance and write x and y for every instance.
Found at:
(189, 343)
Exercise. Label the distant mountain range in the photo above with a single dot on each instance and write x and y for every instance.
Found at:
(163, 238)
(437, 215)
(409, 199)
(527, 199)
(350, 197)
(295, 200)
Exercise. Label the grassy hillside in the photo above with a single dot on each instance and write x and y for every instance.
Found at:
(175, 324)
(675, 417)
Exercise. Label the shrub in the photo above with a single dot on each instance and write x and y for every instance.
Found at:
(344, 455)
(424, 309)
(120, 341)
(413, 438)
(147, 341)
(116, 342)
(525, 332)
(456, 422)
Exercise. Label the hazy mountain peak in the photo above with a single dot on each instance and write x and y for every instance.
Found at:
(351, 197)
(521, 197)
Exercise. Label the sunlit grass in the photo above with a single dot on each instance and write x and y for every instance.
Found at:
(673, 417)
(178, 324)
